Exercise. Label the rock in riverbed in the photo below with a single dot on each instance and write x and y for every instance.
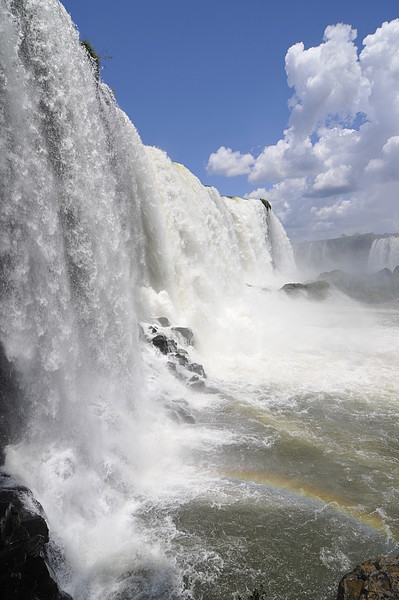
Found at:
(376, 579)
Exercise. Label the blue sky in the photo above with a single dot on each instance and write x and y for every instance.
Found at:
(195, 77)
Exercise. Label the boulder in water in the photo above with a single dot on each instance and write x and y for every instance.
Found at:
(161, 342)
(164, 344)
(314, 290)
(376, 579)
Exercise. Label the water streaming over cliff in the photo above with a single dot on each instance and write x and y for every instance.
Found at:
(151, 488)
(384, 254)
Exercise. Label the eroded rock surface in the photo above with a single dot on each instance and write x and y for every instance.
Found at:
(376, 579)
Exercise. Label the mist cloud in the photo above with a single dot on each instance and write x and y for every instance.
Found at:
(336, 168)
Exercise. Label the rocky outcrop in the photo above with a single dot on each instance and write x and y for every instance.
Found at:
(177, 343)
(372, 288)
(376, 579)
(314, 290)
(266, 204)
(25, 573)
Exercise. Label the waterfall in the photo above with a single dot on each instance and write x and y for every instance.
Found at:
(348, 253)
(384, 254)
(213, 244)
(280, 246)
(97, 233)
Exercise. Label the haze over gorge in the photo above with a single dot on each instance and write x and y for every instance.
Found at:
(191, 429)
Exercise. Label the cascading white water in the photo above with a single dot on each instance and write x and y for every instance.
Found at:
(384, 254)
(214, 245)
(95, 228)
(73, 247)
(98, 233)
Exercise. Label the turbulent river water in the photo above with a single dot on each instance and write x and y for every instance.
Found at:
(283, 470)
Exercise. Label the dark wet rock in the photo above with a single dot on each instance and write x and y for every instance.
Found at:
(266, 204)
(179, 363)
(161, 342)
(314, 290)
(164, 344)
(163, 321)
(180, 357)
(376, 579)
(25, 573)
(186, 334)
(372, 288)
(197, 368)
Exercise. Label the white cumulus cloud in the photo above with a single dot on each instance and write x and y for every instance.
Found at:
(336, 167)
(258, 193)
(229, 163)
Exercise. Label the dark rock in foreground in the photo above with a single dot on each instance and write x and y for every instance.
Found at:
(376, 579)
(315, 290)
(24, 570)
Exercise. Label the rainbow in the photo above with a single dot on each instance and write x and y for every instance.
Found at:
(281, 482)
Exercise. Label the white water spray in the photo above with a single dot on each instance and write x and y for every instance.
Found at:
(95, 228)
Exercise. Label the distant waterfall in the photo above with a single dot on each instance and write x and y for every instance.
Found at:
(384, 253)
